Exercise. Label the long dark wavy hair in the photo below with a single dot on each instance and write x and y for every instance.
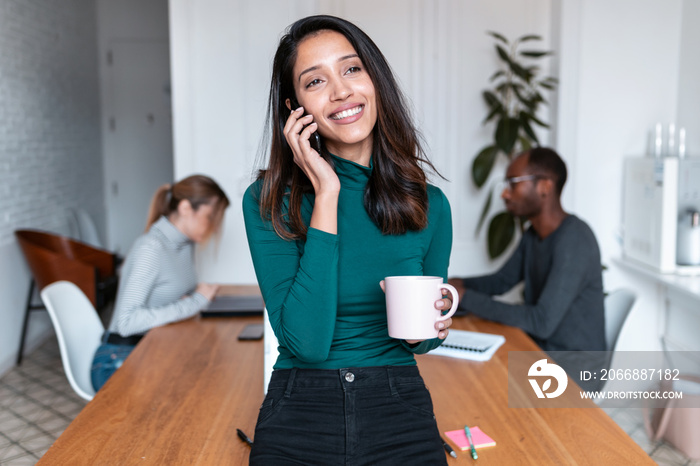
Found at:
(396, 196)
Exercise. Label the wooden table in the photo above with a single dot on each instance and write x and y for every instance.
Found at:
(182, 393)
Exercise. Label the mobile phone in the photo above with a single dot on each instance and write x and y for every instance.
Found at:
(315, 139)
(252, 332)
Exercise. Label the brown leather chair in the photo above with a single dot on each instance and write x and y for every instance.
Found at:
(52, 257)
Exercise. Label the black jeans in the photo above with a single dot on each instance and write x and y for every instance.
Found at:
(355, 416)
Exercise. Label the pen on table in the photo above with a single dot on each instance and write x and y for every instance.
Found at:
(449, 449)
(471, 442)
(244, 437)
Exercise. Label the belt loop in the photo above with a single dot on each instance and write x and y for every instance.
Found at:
(290, 382)
(392, 386)
(105, 337)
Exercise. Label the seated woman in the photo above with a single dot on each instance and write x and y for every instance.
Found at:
(158, 283)
(325, 224)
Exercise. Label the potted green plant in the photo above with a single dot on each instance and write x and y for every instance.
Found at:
(512, 103)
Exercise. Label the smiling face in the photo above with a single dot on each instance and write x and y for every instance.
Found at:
(331, 83)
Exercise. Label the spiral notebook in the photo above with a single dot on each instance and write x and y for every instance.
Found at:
(469, 345)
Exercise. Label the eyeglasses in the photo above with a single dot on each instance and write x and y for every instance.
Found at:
(509, 183)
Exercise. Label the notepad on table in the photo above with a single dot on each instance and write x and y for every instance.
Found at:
(469, 345)
(480, 439)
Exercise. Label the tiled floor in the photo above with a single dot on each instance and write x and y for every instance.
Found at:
(37, 404)
(631, 421)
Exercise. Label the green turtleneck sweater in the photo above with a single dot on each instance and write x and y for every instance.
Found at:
(323, 296)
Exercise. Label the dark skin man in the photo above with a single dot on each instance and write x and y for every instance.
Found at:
(531, 195)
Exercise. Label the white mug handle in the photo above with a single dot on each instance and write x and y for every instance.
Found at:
(455, 301)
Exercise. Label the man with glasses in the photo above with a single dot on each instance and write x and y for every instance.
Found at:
(557, 259)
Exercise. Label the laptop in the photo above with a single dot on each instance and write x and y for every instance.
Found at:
(233, 305)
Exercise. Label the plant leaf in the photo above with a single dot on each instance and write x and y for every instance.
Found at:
(503, 54)
(530, 37)
(505, 86)
(483, 164)
(537, 98)
(501, 233)
(498, 36)
(496, 75)
(531, 104)
(491, 100)
(546, 85)
(535, 53)
(521, 72)
(524, 117)
(538, 121)
(484, 211)
(507, 133)
(525, 144)
(494, 111)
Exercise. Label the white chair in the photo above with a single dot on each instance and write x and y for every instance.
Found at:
(618, 305)
(78, 330)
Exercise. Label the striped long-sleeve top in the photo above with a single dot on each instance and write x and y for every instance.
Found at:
(157, 282)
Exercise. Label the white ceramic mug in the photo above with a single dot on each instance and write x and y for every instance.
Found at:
(410, 306)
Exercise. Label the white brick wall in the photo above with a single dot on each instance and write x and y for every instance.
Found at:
(50, 149)
(50, 152)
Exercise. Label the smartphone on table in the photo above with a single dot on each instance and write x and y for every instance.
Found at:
(252, 332)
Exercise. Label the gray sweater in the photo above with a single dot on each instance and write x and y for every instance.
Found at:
(157, 282)
(563, 297)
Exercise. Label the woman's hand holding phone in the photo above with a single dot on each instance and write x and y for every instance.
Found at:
(298, 130)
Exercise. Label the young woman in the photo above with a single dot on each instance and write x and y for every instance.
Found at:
(324, 229)
(158, 283)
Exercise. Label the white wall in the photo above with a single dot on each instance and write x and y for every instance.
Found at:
(137, 153)
(49, 140)
(221, 54)
(622, 60)
(689, 77)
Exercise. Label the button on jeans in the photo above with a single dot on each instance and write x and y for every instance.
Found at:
(354, 416)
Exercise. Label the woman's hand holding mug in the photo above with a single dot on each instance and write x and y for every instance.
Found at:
(414, 306)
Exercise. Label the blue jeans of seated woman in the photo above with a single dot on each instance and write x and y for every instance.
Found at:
(108, 358)
(355, 416)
